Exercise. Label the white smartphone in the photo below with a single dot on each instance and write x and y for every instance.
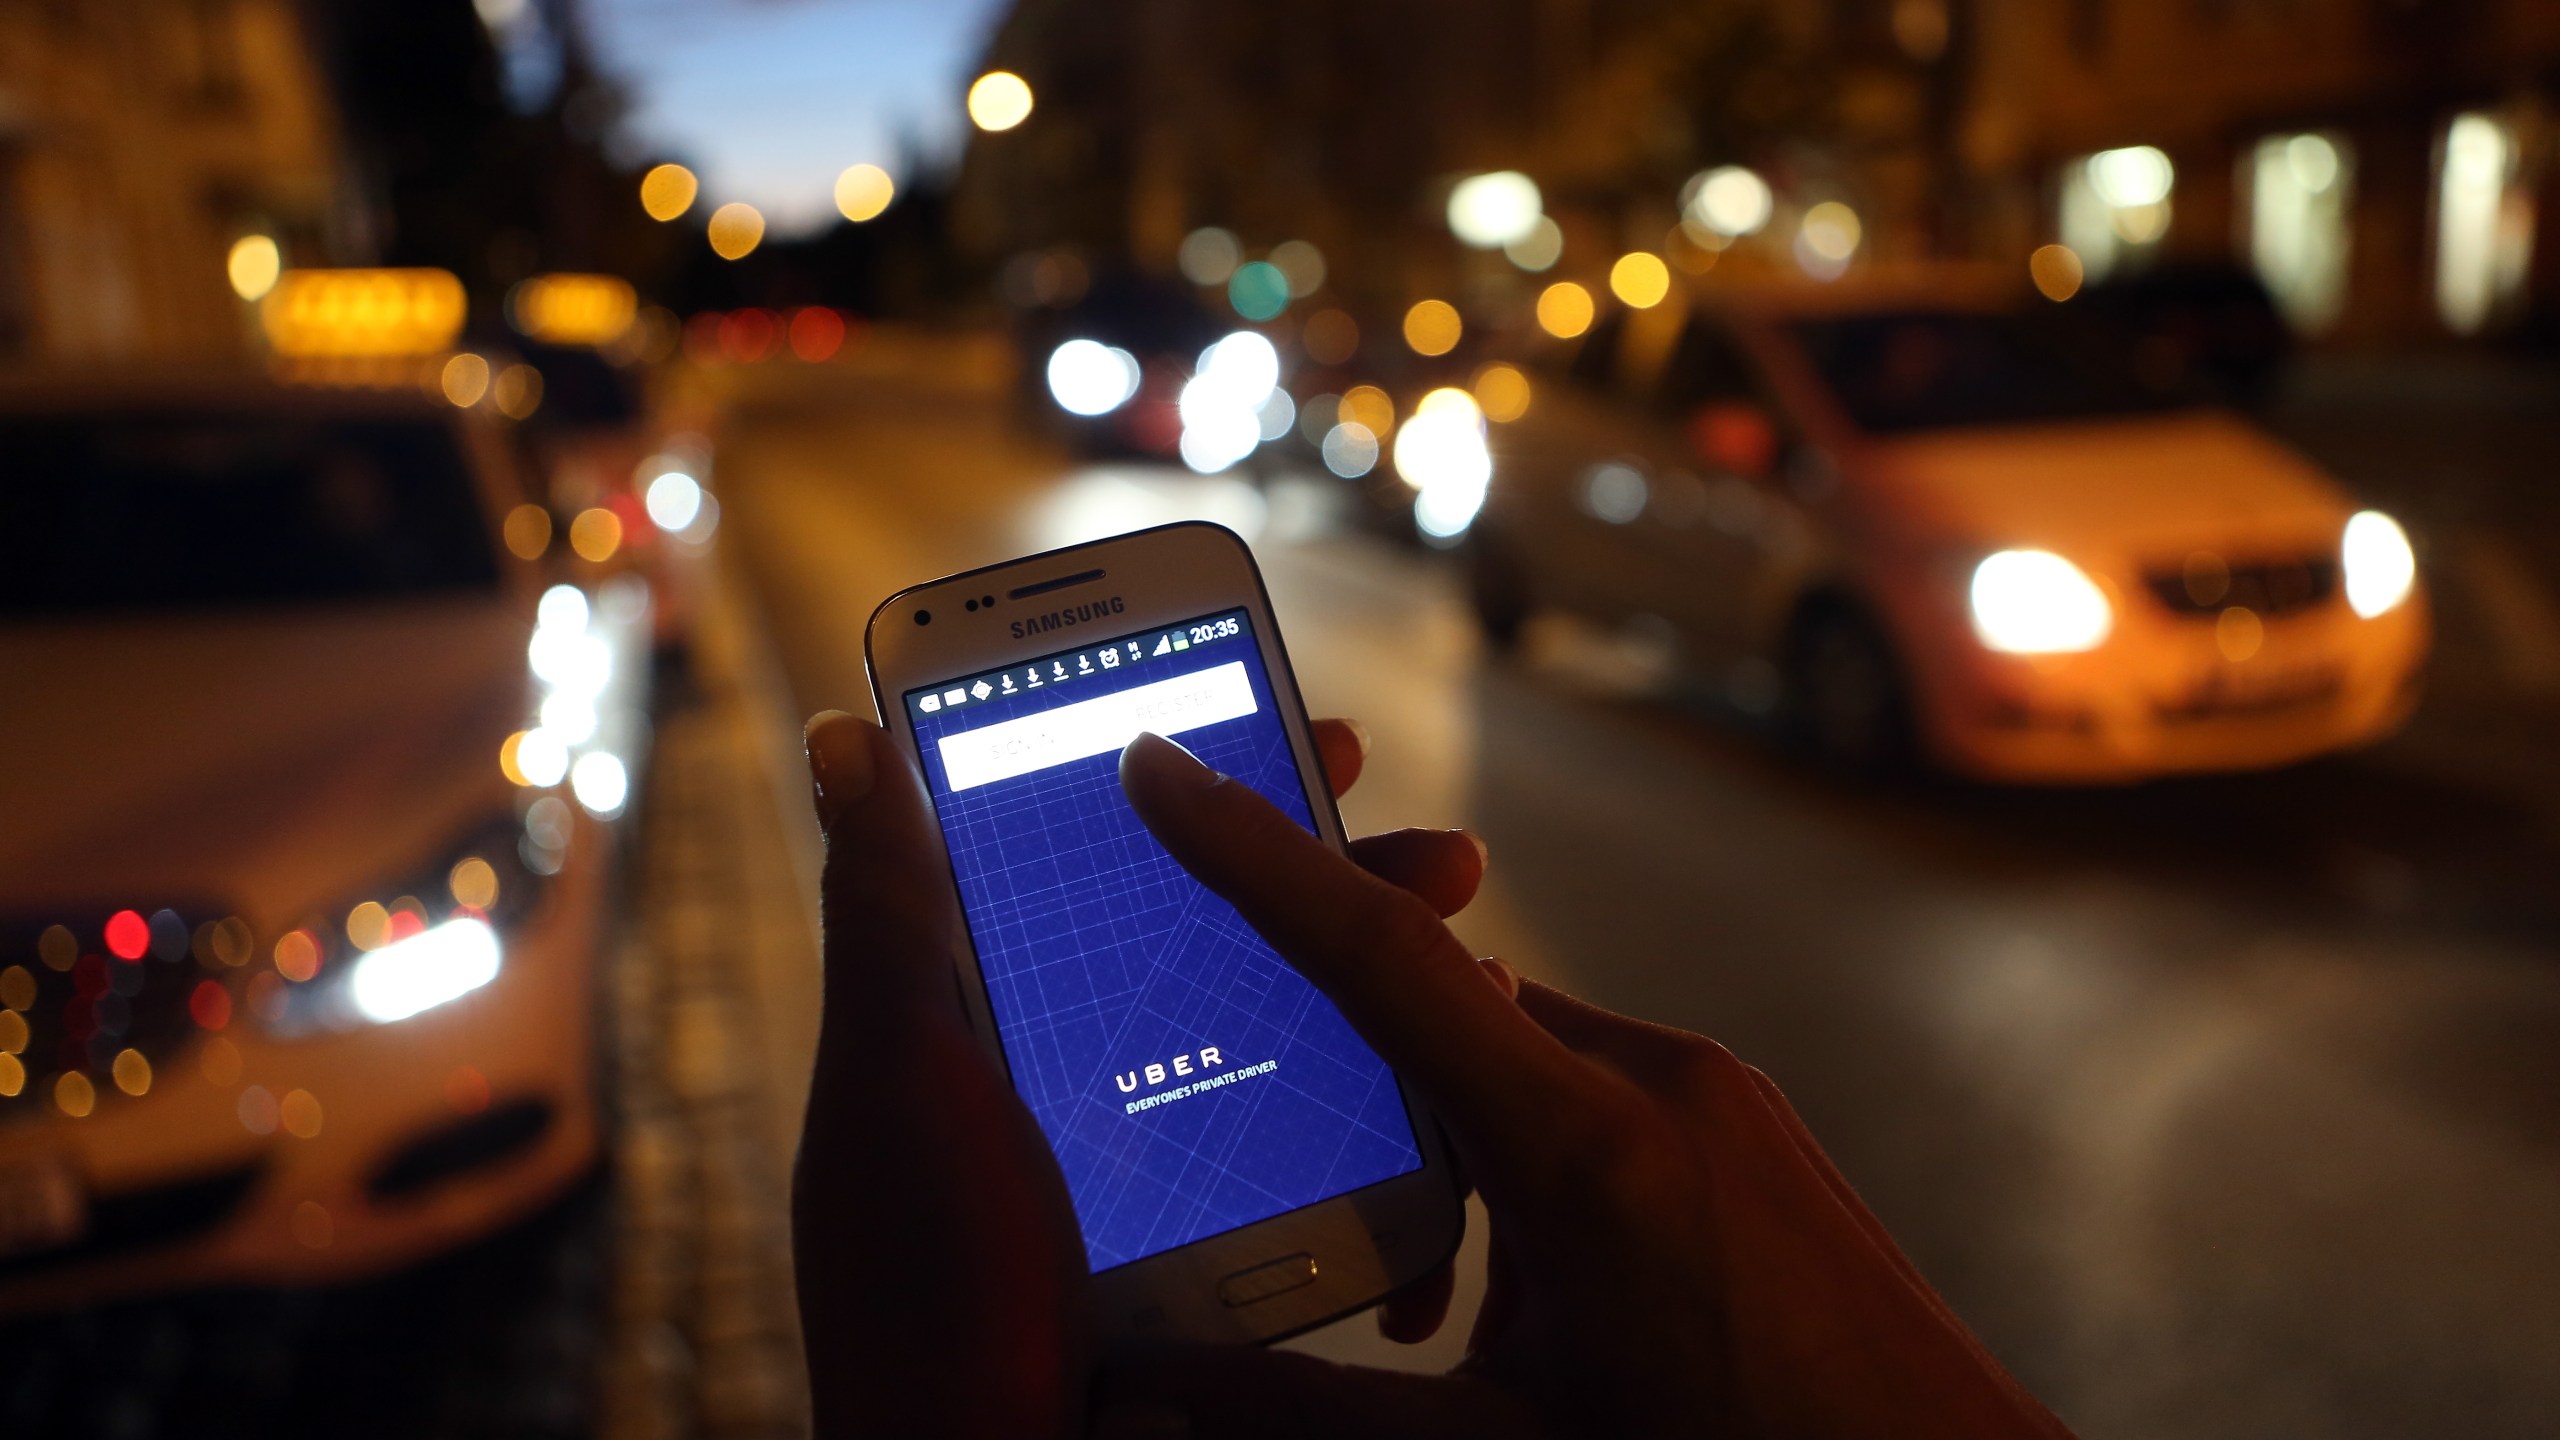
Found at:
(1243, 1166)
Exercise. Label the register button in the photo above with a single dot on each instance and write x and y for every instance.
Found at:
(1264, 1281)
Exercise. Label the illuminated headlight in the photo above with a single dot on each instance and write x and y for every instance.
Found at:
(2380, 567)
(442, 963)
(1442, 455)
(2034, 602)
(418, 943)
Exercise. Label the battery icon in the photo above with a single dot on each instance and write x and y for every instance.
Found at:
(1180, 643)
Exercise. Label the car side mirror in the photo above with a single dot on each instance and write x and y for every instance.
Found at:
(1736, 437)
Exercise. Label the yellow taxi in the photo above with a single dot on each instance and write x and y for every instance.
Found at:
(303, 839)
(1923, 522)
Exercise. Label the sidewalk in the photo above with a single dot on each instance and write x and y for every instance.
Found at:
(714, 1000)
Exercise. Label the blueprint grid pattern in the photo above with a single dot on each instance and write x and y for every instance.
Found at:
(1102, 956)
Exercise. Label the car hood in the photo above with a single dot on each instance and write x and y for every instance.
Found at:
(262, 763)
(2147, 487)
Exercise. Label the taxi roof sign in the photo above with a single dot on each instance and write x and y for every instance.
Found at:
(351, 313)
(570, 309)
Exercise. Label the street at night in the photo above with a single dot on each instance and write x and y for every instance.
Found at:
(2001, 565)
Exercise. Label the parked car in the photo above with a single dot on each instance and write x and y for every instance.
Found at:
(299, 925)
(1953, 530)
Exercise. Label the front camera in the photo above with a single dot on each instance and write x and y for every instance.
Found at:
(924, 617)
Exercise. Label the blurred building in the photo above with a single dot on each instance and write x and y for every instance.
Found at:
(2377, 163)
(139, 140)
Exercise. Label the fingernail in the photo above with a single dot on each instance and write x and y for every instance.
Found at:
(1141, 1422)
(839, 761)
(1360, 733)
(1166, 762)
(1504, 978)
(1484, 852)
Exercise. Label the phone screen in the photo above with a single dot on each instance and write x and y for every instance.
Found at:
(1188, 1079)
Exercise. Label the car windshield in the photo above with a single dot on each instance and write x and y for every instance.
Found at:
(178, 510)
(1933, 370)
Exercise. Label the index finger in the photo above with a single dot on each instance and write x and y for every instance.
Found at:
(1380, 954)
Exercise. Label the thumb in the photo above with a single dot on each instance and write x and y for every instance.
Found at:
(892, 923)
(1227, 1392)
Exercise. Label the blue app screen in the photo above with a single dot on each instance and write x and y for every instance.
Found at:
(1188, 1079)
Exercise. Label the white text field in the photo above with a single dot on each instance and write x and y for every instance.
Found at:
(1097, 726)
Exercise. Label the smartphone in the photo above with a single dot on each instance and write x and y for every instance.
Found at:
(1243, 1165)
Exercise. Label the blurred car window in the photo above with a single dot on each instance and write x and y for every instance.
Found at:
(191, 510)
(1930, 370)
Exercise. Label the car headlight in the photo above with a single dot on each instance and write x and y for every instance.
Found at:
(2034, 602)
(2381, 569)
(434, 937)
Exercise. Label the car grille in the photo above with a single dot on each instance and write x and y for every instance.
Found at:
(2278, 587)
(74, 1005)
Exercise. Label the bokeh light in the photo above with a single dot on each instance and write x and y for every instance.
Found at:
(13, 1032)
(517, 391)
(735, 230)
(1258, 290)
(999, 100)
(595, 534)
(1370, 408)
(527, 531)
(369, 926)
(209, 1005)
(674, 501)
(473, 883)
(299, 1113)
(1350, 450)
(667, 191)
(1640, 279)
(465, 378)
(1730, 200)
(13, 1076)
(17, 987)
(1502, 392)
(863, 191)
(132, 1072)
(600, 782)
(253, 265)
(1087, 377)
(817, 333)
(1331, 337)
(1432, 327)
(2238, 633)
(2132, 177)
(128, 935)
(297, 956)
(1826, 238)
(2056, 271)
(1209, 255)
(1302, 263)
(1564, 309)
(1493, 210)
(1538, 250)
(74, 1095)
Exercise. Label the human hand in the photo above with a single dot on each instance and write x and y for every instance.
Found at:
(941, 1273)
(1671, 1251)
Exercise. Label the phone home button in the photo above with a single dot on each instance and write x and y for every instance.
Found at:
(1279, 1277)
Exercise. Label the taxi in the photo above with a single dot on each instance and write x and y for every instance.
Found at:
(1926, 523)
(304, 839)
